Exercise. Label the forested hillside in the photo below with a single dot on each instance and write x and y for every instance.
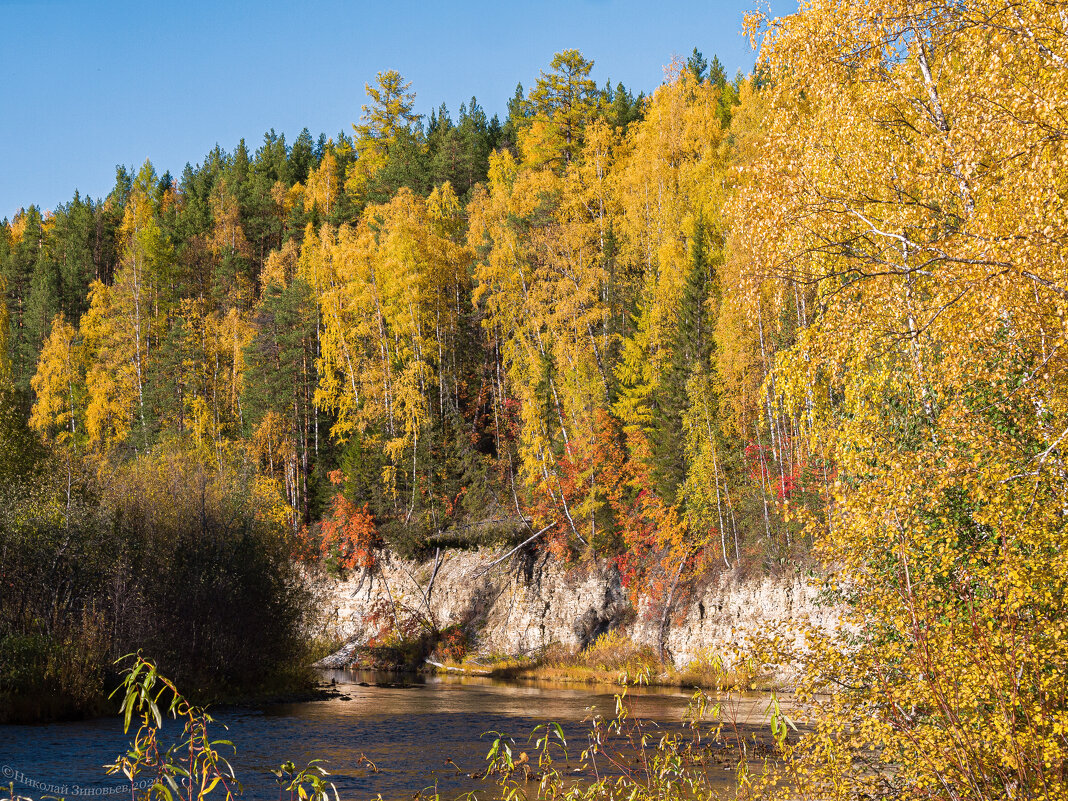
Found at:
(471, 327)
(424, 332)
(815, 316)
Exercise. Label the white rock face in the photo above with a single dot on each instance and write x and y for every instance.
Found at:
(531, 601)
(730, 609)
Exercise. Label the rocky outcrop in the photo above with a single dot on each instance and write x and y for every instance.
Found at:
(529, 601)
(719, 617)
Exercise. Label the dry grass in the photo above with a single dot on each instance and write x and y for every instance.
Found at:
(712, 671)
(614, 659)
(610, 659)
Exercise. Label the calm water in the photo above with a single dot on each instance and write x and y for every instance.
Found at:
(408, 732)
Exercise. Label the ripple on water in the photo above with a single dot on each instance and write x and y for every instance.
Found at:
(408, 732)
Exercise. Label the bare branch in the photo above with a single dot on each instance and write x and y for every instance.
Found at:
(524, 543)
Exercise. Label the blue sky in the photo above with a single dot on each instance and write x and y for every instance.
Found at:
(87, 85)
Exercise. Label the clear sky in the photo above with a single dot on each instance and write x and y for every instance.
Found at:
(88, 84)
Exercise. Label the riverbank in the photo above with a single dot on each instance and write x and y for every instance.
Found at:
(535, 617)
(612, 660)
(40, 698)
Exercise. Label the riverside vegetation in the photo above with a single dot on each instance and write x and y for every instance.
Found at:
(611, 658)
(167, 555)
(813, 316)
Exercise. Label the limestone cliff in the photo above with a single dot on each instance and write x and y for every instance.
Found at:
(530, 601)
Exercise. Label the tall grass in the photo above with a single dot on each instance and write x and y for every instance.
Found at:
(613, 658)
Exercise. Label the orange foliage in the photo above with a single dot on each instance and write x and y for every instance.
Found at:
(349, 533)
(659, 543)
(604, 487)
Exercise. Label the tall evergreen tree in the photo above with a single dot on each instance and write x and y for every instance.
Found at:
(280, 386)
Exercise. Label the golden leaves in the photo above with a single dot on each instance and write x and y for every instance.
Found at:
(387, 290)
(898, 199)
(55, 383)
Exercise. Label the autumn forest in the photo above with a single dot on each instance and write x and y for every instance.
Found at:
(810, 319)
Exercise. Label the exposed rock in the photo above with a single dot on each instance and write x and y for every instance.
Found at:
(531, 601)
(721, 616)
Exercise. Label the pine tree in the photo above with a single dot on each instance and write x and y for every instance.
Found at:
(698, 65)
(559, 107)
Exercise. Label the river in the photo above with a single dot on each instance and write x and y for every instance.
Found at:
(407, 727)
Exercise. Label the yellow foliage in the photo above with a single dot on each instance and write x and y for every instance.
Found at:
(269, 504)
(542, 279)
(111, 385)
(669, 186)
(324, 185)
(388, 290)
(55, 383)
(907, 180)
(281, 265)
(228, 236)
(5, 353)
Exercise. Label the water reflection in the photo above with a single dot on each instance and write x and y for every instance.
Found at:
(407, 727)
